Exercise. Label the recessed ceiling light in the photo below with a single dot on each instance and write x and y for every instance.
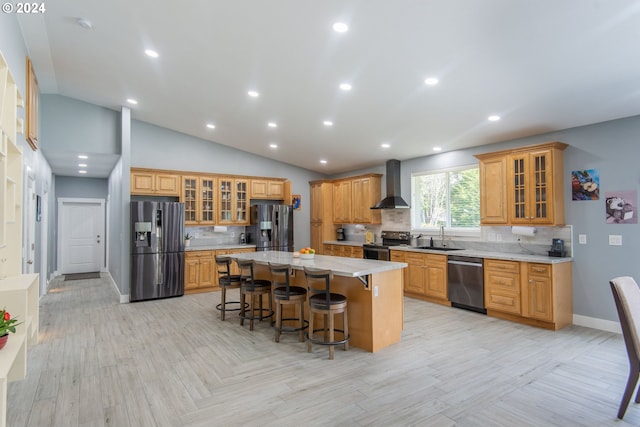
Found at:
(345, 86)
(253, 94)
(437, 148)
(272, 125)
(151, 53)
(324, 162)
(82, 171)
(83, 156)
(84, 23)
(273, 145)
(431, 81)
(327, 123)
(340, 27)
(132, 101)
(494, 118)
(385, 145)
(211, 126)
(82, 165)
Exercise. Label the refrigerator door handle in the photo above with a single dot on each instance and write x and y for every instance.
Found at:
(159, 263)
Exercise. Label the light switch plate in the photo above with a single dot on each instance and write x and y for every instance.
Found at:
(615, 240)
(582, 239)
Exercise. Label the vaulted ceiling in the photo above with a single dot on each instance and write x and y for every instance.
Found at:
(540, 65)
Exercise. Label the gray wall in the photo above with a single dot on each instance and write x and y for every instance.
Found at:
(86, 188)
(73, 125)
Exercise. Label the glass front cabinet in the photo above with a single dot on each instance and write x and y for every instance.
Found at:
(533, 191)
(198, 196)
(234, 201)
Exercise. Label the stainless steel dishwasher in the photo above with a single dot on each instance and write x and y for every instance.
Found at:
(466, 282)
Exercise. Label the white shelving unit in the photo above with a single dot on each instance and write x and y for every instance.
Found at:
(19, 293)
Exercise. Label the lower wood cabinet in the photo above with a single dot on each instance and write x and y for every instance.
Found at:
(426, 276)
(532, 293)
(201, 272)
(349, 251)
(502, 285)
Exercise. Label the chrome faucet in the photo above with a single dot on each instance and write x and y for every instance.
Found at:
(442, 236)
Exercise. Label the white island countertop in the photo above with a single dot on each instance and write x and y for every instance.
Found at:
(340, 266)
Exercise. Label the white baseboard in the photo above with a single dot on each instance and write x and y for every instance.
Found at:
(595, 323)
(124, 299)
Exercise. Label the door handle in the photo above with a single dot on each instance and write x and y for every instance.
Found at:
(30, 261)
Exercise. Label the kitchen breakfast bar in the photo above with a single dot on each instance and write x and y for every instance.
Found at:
(374, 292)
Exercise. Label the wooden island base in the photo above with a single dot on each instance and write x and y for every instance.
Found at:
(375, 311)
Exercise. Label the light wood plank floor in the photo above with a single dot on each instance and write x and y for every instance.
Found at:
(174, 363)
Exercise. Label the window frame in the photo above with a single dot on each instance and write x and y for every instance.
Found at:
(450, 231)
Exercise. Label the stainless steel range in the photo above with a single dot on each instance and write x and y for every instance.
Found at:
(380, 251)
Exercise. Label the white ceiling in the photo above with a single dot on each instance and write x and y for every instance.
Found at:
(542, 65)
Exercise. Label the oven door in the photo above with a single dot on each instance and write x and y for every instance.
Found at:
(380, 253)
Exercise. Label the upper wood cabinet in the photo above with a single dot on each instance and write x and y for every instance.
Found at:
(533, 183)
(365, 192)
(199, 198)
(154, 183)
(267, 189)
(342, 201)
(353, 198)
(493, 190)
(32, 106)
(233, 202)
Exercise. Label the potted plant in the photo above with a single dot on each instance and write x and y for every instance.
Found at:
(187, 239)
(7, 324)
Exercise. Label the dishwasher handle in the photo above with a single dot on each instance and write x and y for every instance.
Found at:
(472, 264)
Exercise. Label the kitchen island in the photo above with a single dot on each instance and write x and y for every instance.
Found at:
(374, 291)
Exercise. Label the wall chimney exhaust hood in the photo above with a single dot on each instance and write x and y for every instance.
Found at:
(393, 199)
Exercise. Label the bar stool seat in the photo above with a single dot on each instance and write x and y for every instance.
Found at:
(253, 288)
(285, 294)
(226, 280)
(328, 304)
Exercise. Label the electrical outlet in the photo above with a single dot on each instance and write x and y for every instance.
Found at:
(582, 239)
(375, 291)
(615, 240)
(499, 237)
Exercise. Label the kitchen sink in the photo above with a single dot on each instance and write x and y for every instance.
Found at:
(438, 248)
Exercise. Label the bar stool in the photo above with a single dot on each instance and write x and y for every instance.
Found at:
(329, 304)
(285, 294)
(226, 280)
(253, 288)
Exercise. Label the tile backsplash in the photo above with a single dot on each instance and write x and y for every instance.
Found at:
(499, 239)
(211, 236)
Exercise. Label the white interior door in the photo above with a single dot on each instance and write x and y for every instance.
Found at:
(81, 235)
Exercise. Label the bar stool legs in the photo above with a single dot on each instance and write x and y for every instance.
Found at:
(226, 280)
(253, 312)
(328, 304)
(286, 294)
(253, 288)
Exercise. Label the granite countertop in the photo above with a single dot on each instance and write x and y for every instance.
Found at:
(341, 266)
(216, 247)
(542, 259)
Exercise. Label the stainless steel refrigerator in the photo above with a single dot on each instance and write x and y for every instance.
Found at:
(271, 228)
(157, 250)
